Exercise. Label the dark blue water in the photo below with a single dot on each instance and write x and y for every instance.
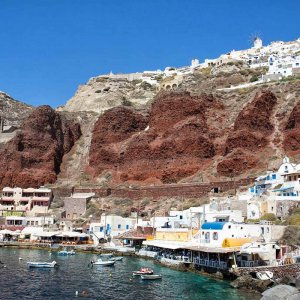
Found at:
(73, 274)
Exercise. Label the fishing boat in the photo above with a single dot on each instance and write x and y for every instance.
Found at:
(143, 271)
(100, 262)
(41, 264)
(151, 277)
(66, 252)
(264, 275)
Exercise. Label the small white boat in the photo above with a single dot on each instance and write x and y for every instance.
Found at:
(41, 264)
(118, 258)
(143, 271)
(100, 262)
(106, 255)
(151, 277)
(66, 252)
(264, 275)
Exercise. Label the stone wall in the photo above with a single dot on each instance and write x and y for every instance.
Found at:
(167, 190)
(278, 271)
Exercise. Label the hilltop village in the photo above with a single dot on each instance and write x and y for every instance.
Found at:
(197, 167)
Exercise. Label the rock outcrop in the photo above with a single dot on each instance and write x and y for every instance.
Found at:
(12, 111)
(105, 92)
(34, 155)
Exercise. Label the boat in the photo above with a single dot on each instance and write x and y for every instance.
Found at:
(118, 258)
(151, 277)
(100, 262)
(66, 252)
(264, 275)
(41, 264)
(143, 271)
(107, 255)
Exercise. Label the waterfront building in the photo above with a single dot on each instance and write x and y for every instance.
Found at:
(17, 222)
(75, 205)
(110, 226)
(193, 217)
(30, 201)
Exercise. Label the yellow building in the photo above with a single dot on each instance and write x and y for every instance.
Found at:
(173, 234)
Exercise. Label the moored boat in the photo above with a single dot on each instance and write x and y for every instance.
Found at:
(264, 275)
(66, 252)
(41, 264)
(106, 255)
(118, 258)
(151, 277)
(100, 262)
(143, 271)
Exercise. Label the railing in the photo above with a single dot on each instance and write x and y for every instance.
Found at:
(248, 263)
(204, 241)
(210, 263)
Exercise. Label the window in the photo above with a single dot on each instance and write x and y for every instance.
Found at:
(101, 228)
(127, 227)
(207, 236)
(119, 226)
(180, 217)
(273, 176)
(229, 226)
(215, 236)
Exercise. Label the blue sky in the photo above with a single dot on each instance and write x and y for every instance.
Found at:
(49, 47)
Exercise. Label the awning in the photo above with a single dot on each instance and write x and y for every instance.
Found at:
(283, 189)
(6, 231)
(165, 244)
(72, 234)
(47, 233)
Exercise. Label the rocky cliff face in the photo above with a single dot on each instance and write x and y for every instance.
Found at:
(33, 157)
(250, 135)
(196, 132)
(292, 132)
(12, 111)
(173, 142)
(188, 137)
(103, 92)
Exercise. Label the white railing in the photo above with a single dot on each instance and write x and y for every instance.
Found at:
(210, 263)
(204, 241)
(249, 263)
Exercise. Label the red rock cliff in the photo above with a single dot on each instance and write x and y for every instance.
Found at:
(250, 135)
(291, 141)
(171, 144)
(34, 156)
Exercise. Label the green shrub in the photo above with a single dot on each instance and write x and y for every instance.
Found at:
(269, 217)
(291, 235)
(253, 78)
(126, 102)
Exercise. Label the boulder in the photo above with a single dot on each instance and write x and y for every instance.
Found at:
(281, 292)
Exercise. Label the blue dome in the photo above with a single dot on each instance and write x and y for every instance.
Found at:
(213, 225)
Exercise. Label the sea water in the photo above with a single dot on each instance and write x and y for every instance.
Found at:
(76, 279)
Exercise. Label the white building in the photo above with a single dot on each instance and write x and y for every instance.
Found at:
(110, 225)
(214, 234)
(16, 221)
